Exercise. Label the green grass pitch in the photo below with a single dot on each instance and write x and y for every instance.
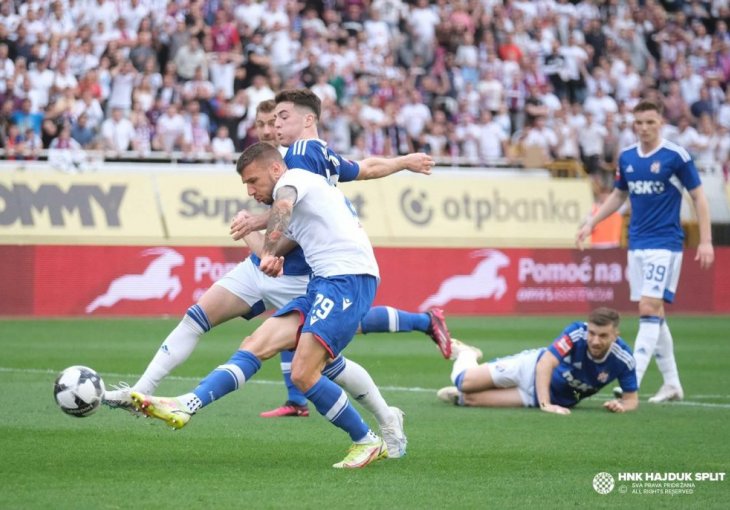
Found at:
(228, 457)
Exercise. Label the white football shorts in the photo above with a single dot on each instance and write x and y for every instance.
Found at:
(248, 283)
(654, 273)
(517, 371)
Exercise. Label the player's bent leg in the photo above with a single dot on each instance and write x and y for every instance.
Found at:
(497, 397)
(386, 319)
(231, 375)
(273, 336)
(217, 305)
(476, 379)
(221, 305)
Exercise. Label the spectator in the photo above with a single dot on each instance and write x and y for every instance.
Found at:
(81, 132)
(143, 133)
(169, 130)
(591, 138)
(538, 135)
(117, 132)
(26, 118)
(189, 58)
(65, 153)
(122, 86)
(222, 146)
(492, 139)
(414, 115)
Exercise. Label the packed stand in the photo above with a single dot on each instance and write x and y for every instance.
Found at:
(475, 82)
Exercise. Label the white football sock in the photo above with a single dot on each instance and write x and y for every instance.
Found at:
(646, 341)
(664, 357)
(467, 358)
(356, 381)
(176, 348)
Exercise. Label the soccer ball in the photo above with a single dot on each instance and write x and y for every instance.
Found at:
(78, 391)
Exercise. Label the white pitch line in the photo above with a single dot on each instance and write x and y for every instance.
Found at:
(386, 388)
(192, 379)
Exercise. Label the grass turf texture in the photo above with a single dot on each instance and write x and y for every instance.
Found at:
(228, 457)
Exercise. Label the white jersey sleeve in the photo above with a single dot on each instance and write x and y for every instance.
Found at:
(326, 226)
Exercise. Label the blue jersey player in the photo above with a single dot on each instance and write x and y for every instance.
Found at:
(653, 174)
(583, 359)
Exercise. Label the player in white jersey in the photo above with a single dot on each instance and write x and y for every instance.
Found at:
(653, 174)
(583, 359)
(306, 210)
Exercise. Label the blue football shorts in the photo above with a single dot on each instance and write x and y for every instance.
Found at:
(333, 308)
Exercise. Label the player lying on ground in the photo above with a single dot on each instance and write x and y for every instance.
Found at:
(583, 359)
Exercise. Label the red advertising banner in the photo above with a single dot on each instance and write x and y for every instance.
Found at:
(144, 281)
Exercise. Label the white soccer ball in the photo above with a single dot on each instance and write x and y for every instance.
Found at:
(78, 391)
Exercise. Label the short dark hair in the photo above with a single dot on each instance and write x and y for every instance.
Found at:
(647, 106)
(266, 106)
(603, 316)
(260, 151)
(301, 97)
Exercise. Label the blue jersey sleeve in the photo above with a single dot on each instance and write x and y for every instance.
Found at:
(620, 181)
(687, 173)
(314, 156)
(627, 381)
(349, 170)
(563, 345)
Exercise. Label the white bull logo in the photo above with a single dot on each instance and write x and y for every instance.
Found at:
(156, 282)
(483, 282)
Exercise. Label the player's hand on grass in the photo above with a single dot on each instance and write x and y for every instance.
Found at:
(419, 163)
(555, 409)
(272, 266)
(244, 223)
(705, 255)
(615, 406)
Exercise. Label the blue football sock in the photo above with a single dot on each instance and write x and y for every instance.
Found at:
(228, 377)
(334, 368)
(382, 319)
(332, 403)
(293, 394)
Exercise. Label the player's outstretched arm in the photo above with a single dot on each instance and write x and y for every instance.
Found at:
(705, 251)
(629, 402)
(375, 168)
(610, 206)
(543, 373)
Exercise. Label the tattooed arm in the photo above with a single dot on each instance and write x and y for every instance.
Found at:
(275, 242)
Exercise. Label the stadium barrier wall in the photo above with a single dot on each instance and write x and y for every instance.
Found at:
(77, 280)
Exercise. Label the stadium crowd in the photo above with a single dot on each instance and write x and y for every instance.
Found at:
(474, 80)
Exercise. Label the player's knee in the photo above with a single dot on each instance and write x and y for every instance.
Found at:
(302, 378)
(258, 346)
(651, 307)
